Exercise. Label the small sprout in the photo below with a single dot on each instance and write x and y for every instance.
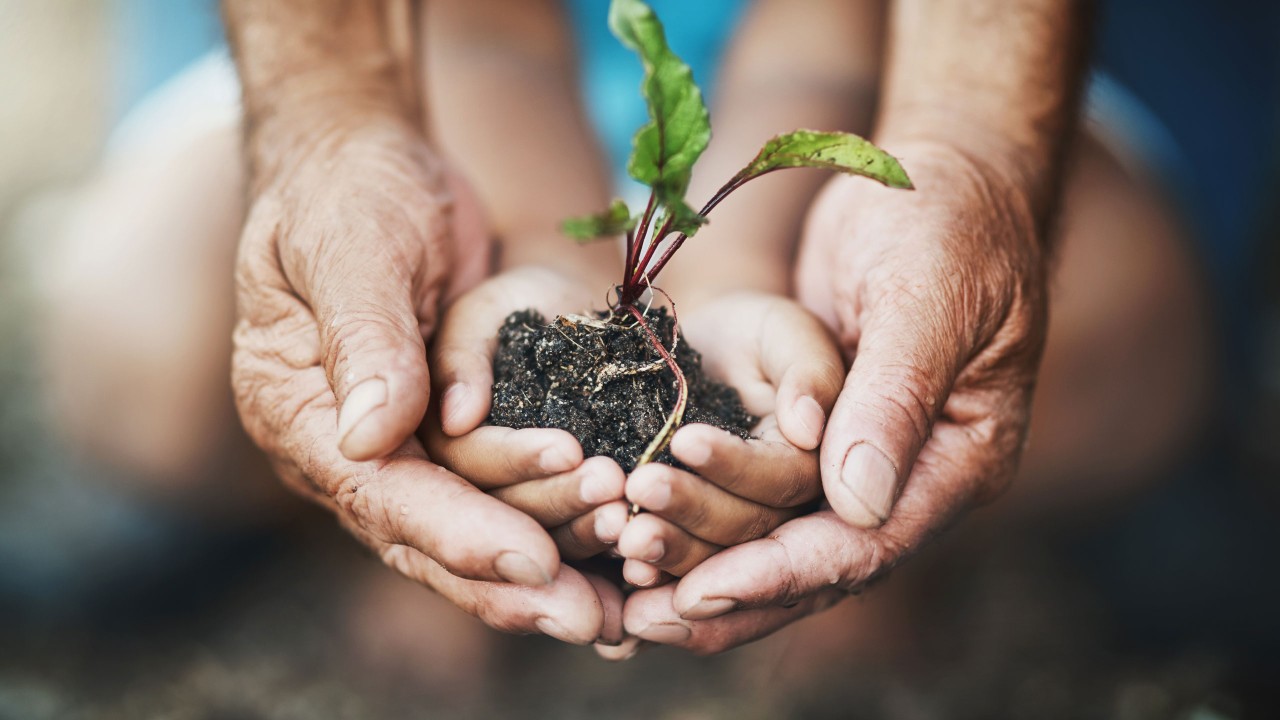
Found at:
(663, 154)
(666, 148)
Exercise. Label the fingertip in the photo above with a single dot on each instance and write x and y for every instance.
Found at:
(649, 487)
(626, 650)
(640, 573)
(692, 444)
(806, 395)
(552, 628)
(703, 608)
(803, 422)
(462, 409)
(611, 602)
(363, 431)
(518, 568)
(603, 481)
(610, 521)
(642, 540)
(864, 488)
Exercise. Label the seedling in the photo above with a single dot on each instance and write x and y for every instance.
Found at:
(663, 154)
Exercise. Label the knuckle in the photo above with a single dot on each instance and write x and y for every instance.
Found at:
(759, 523)
(907, 391)
(358, 336)
(352, 496)
(795, 488)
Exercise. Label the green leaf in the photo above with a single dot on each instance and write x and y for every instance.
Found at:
(615, 221)
(684, 219)
(843, 152)
(665, 148)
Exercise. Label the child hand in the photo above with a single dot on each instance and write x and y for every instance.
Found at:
(788, 371)
(539, 471)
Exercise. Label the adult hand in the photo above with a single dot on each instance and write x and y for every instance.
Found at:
(539, 471)
(787, 369)
(938, 297)
(351, 243)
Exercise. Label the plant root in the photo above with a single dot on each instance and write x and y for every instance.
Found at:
(663, 438)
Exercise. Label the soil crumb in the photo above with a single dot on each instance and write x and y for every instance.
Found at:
(603, 382)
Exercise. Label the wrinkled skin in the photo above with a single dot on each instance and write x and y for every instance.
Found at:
(347, 252)
(937, 298)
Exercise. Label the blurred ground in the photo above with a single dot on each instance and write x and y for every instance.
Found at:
(116, 609)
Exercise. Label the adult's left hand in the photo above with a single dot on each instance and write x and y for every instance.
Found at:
(938, 299)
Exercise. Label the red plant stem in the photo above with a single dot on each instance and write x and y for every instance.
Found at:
(631, 247)
(636, 272)
(639, 271)
(666, 256)
(635, 243)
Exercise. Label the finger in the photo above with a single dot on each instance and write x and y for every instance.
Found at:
(558, 499)
(403, 499)
(651, 616)
(800, 358)
(767, 471)
(643, 575)
(818, 552)
(611, 599)
(699, 507)
(591, 534)
(807, 555)
(610, 520)
(626, 650)
(569, 609)
(371, 348)
(409, 501)
(650, 539)
(462, 357)
(640, 574)
(491, 456)
(578, 539)
(905, 366)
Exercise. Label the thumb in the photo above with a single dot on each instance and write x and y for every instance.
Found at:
(462, 354)
(905, 366)
(800, 358)
(374, 356)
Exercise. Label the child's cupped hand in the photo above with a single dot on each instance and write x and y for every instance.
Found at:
(788, 370)
(539, 471)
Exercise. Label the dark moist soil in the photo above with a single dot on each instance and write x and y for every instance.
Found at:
(603, 382)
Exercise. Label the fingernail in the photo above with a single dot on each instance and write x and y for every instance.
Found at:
(362, 400)
(666, 633)
(656, 497)
(696, 455)
(707, 608)
(625, 650)
(516, 567)
(555, 460)
(871, 478)
(547, 626)
(453, 401)
(811, 417)
(609, 524)
(655, 551)
(597, 489)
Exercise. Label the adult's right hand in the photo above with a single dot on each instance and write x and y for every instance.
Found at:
(350, 245)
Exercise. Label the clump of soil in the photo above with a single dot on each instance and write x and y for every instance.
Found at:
(603, 382)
